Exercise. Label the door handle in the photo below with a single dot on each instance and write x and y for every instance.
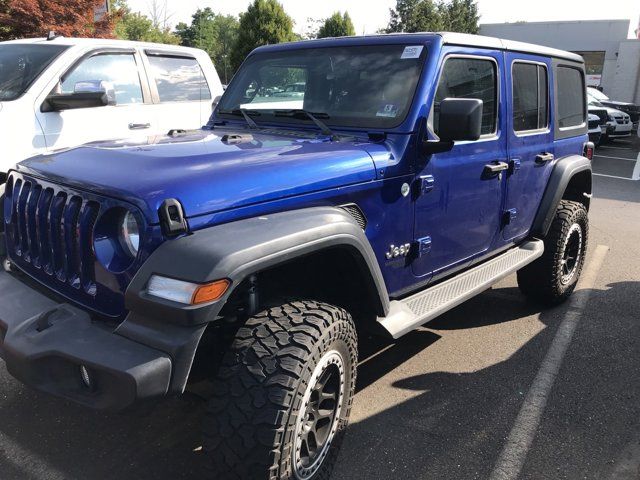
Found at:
(544, 157)
(139, 126)
(492, 169)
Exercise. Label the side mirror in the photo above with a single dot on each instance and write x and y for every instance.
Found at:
(86, 94)
(460, 119)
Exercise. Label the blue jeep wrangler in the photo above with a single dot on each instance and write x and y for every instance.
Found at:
(402, 176)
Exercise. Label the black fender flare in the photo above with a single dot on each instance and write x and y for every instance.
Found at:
(235, 251)
(563, 172)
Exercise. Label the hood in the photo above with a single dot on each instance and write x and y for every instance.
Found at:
(205, 173)
(615, 104)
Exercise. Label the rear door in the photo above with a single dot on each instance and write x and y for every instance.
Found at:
(182, 97)
(458, 210)
(530, 140)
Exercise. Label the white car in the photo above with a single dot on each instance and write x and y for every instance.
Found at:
(619, 123)
(62, 92)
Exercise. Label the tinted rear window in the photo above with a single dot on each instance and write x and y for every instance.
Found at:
(530, 97)
(21, 64)
(179, 79)
(571, 97)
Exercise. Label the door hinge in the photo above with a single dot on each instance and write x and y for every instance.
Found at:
(427, 183)
(510, 216)
(424, 246)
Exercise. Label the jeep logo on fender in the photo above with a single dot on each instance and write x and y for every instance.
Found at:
(394, 252)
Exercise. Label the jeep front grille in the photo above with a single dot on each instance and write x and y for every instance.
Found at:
(52, 231)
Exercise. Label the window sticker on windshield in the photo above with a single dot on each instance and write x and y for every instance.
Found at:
(390, 110)
(412, 52)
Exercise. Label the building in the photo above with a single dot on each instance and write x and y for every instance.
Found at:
(612, 60)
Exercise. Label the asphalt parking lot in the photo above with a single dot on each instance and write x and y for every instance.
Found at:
(494, 389)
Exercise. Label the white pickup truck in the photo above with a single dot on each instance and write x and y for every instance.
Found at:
(60, 92)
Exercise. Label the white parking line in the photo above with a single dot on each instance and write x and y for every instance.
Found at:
(513, 455)
(614, 176)
(636, 170)
(615, 158)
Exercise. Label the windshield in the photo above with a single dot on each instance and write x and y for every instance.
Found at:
(21, 64)
(597, 94)
(593, 101)
(360, 86)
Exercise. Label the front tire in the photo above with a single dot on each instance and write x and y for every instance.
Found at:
(553, 277)
(283, 395)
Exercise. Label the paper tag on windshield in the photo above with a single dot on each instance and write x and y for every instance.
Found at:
(412, 52)
(390, 111)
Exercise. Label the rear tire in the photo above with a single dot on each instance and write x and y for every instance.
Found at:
(553, 277)
(283, 395)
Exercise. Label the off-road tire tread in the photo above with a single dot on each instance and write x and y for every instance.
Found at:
(256, 385)
(540, 281)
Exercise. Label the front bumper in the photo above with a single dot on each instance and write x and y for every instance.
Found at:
(44, 344)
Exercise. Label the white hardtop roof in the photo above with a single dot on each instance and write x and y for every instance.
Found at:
(102, 42)
(510, 45)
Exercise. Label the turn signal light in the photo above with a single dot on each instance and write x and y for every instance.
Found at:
(187, 293)
(210, 292)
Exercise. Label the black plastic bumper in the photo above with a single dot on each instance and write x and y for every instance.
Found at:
(45, 344)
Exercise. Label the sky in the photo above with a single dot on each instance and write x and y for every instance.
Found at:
(371, 15)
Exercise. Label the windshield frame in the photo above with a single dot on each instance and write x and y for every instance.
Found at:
(270, 118)
(43, 67)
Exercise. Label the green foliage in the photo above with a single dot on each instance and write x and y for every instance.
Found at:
(216, 34)
(337, 26)
(138, 27)
(461, 16)
(432, 16)
(265, 22)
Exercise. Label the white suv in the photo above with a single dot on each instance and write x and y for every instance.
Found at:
(64, 92)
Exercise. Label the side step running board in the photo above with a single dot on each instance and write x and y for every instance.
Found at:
(408, 314)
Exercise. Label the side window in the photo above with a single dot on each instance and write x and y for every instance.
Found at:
(179, 79)
(571, 97)
(530, 97)
(119, 70)
(470, 78)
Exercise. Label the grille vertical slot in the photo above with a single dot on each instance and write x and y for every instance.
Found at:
(56, 236)
(42, 229)
(88, 219)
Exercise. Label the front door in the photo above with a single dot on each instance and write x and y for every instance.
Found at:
(459, 208)
(130, 116)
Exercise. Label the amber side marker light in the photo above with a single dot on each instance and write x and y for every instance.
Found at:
(187, 293)
(210, 292)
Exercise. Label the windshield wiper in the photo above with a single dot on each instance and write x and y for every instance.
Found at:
(245, 113)
(297, 113)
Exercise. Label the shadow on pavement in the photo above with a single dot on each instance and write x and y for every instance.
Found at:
(451, 427)
(454, 426)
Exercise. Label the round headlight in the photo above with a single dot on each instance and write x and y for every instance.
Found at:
(130, 234)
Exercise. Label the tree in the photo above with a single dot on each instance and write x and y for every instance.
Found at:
(432, 16)
(35, 18)
(265, 22)
(214, 33)
(337, 26)
(138, 27)
(461, 16)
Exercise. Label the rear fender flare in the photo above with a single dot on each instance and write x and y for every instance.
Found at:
(566, 169)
